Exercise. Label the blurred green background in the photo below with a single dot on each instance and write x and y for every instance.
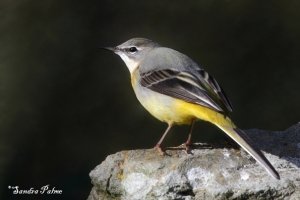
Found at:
(65, 105)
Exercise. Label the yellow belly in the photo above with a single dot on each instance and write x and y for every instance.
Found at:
(159, 105)
(166, 109)
(203, 113)
(172, 110)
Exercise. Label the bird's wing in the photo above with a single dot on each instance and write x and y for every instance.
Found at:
(197, 87)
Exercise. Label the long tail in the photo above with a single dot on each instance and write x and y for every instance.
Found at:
(242, 139)
(239, 136)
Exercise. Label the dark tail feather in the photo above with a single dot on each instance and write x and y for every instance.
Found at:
(243, 140)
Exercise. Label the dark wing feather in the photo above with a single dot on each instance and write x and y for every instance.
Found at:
(198, 88)
(215, 89)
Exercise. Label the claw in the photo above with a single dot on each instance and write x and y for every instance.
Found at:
(187, 147)
(159, 150)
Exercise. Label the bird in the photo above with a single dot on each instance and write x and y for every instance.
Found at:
(177, 91)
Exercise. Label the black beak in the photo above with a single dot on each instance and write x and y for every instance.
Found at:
(113, 49)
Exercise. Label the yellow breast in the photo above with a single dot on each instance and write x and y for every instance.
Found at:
(172, 110)
(161, 106)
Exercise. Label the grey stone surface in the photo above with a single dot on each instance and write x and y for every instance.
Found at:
(209, 172)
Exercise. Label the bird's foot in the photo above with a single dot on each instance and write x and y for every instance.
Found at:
(159, 150)
(188, 147)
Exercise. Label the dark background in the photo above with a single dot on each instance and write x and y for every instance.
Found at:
(65, 105)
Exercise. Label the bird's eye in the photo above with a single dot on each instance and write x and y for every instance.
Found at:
(132, 49)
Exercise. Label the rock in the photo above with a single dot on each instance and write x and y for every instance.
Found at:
(209, 172)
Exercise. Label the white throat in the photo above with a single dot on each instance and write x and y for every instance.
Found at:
(131, 64)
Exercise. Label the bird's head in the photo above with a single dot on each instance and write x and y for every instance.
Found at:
(134, 51)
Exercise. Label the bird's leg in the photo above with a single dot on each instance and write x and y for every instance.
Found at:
(158, 145)
(188, 142)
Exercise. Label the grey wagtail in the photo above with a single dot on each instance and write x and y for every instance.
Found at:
(175, 90)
